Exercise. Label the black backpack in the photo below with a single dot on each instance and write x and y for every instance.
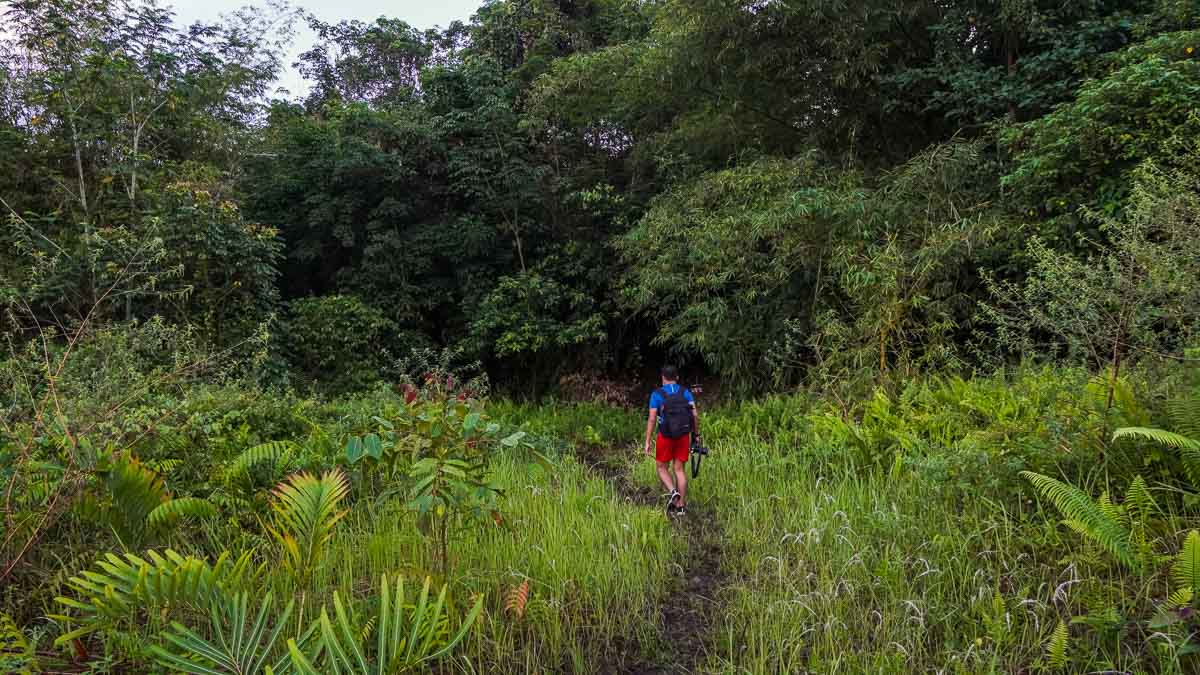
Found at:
(675, 418)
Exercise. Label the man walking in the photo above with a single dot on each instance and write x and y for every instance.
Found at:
(673, 413)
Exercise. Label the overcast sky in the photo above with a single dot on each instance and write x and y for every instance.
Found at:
(419, 13)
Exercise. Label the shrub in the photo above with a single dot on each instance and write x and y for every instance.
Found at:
(340, 343)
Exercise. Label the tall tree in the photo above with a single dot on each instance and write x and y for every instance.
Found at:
(115, 106)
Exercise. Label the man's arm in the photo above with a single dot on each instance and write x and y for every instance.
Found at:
(650, 422)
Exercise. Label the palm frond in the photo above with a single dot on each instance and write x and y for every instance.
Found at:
(278, 453)
(407, 636)
(118, 587)
(306, 513)
(238, 646)
(181, 507)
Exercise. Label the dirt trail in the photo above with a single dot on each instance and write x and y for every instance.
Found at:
(690, 609)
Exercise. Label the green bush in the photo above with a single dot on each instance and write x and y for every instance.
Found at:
(1140, 102)
(341, 343)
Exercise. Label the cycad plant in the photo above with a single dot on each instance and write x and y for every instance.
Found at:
(120, 586)
(406, 636)
(220, 626)
(236, 646)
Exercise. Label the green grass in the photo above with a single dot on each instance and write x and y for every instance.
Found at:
(595, 564)
(845, 572)
(576, 425)
(835, 564)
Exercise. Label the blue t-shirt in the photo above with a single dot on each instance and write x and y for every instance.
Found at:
(656, 399)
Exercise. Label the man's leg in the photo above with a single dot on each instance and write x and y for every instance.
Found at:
(664, 474)
(662, 455)
(681, 481)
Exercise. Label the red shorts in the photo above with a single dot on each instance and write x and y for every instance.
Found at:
(666, 449)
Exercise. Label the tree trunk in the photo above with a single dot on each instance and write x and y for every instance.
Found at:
(444, 545)
(1011, 60)
(1115, 365)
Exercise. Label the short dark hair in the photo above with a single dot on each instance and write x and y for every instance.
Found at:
(670, 373)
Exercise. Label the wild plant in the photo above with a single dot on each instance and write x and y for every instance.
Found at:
(406, 637)
(1184, 414)
(435, 451)
(1121, 529)
(307, 509)
(223, 623)
(1129, 299)
(131, 500)
(17, 653)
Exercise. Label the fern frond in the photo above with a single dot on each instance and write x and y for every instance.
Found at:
(1086, 516)
(1182, 597)
(1188, 446)
(1112, 510)
(181, 507)
(1190, 458)
(1184, 412)
(517, 597)
(1186, 570)
(1056, 648)
(1139, 502)
(16, 652)
(164, 466)
(278, 453)
(1163, 437)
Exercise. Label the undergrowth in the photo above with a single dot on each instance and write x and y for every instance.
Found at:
(1015, 523)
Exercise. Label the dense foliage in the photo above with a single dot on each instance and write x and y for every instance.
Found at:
(943, 258)
(598, 185)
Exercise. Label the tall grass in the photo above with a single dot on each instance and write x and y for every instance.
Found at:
(850, 572)
(575, 425)
(595, 565)
(847, 551)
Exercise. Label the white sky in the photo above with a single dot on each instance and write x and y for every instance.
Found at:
(419, 13)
